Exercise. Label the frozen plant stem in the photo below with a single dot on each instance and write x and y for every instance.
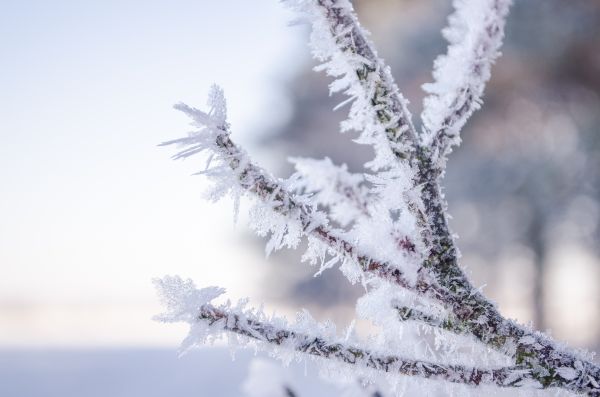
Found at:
(399, 201)
(427, 155)
(326, 349)
(253, 179)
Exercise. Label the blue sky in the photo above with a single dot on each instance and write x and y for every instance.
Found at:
(91, 209)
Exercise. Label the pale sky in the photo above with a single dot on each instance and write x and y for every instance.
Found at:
(91, 209)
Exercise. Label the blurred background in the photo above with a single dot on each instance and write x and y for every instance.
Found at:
(91, 209)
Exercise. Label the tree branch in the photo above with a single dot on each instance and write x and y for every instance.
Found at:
(406, 313)
(453, 288)
(323, 348)
(341, 43)
(475, 35)
(380, 110)
(214, 136)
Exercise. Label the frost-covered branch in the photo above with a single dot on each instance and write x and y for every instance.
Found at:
(551, 364)
(323, 348)
(378, 111)
(395, 218)
(406, 313)
(187, 304)
(473, 311)
(236, 173)
(475, 35)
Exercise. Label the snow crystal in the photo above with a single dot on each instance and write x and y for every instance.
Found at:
(567, 373)
(283, 231)
(333, 187)
(182, 299)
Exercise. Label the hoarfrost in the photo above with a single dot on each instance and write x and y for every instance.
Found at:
(567, 373)
(182, 299)
(474, 34)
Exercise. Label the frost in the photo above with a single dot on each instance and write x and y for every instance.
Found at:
(567, 373)
(474, 34)
(345, 195)
(184, 302)
(282, 231)
(216, 100)
(529, 384)
(181, 298)
(527, 340)
(351, 270)
(340, 43)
